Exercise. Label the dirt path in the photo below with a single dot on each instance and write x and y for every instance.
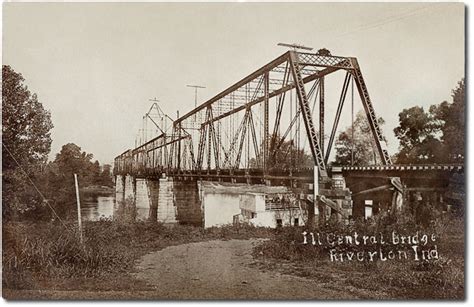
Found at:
(220, 270)
(205, 270)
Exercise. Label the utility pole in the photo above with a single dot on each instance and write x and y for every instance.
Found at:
(196, 87)
(79, 219)
(195, 92)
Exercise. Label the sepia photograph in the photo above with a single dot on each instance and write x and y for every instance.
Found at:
(233, 151)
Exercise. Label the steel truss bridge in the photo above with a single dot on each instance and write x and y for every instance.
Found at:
(263, 128)
(231, 134)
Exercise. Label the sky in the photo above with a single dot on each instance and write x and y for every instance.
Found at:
(95, 66)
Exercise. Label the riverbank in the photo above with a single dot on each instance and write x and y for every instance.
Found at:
(215, 269)
(117, 261)
(98, 190)
(45, 256)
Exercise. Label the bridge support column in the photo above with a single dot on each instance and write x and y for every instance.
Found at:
(119, 188)
(166, 209)
(146, 198)
(142, 199)
(187, 202)
(129, 188)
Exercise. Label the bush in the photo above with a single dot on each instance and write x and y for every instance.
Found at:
(52, 252)
(33, 252)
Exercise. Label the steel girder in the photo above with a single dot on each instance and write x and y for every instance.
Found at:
(315, 144)
(271, 80)
(369, 110)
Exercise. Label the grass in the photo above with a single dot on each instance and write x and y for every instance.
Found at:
(45, 256)
(399, 278)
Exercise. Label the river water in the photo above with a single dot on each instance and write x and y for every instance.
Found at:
(95, 208)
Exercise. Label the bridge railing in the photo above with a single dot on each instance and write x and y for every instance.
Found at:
(407, 167)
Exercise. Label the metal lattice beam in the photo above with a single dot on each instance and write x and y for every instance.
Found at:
(307, 117)
(370, 112)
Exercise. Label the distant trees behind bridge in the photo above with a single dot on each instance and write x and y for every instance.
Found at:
(436, 135)
(356, 145)
(284, 155)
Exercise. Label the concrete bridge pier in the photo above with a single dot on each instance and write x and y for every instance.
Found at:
(146, 198)
(124, 188)
(119, 188)
(187, 201)
(211, 203)
(165, 200)
(165, 208)
(129, 188)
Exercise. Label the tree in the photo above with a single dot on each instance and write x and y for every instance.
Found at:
(417, 135)
(106, 176)
(436, 136)
(59, 176)
(454, 118)
(285, 155)
(363, 145)
(26, 138)
(288, 156)
(72, 160)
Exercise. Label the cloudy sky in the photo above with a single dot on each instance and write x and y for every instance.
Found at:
(95, 66)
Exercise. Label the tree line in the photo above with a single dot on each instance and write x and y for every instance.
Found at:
(31, 183)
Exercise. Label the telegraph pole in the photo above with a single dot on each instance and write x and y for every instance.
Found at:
(196, 87)
(195, 92)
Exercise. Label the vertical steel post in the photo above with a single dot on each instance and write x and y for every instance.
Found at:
(321, 113)
(352, 121)
(265, 122)
(209, 141)
(313, 137)
(179, 145)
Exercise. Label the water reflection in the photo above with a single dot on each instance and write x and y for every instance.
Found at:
(95, 208)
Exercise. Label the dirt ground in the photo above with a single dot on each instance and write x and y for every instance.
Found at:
(223, 270)
(206, 270)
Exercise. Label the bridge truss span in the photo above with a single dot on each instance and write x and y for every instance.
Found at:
(264, 124)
